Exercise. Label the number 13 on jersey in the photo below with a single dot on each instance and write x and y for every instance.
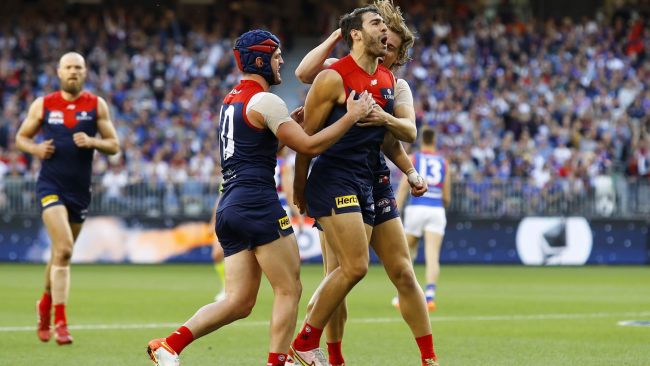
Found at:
(431, 168)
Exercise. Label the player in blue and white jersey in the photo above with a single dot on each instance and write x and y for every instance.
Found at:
(425, 215)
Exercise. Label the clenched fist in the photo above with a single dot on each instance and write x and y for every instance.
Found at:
(84, 141)
(45, 149)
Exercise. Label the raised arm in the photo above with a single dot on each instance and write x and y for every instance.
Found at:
(107, 143)
(402, 124)
(29, 128)
(316, 60)
(394, 151)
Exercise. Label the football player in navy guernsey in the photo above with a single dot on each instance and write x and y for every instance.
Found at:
(344, 199)
(69, 119)
(388, 239)
(253, 228)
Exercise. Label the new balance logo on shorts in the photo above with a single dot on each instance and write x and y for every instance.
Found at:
(49, 199)
(346, 201)
(285, 223)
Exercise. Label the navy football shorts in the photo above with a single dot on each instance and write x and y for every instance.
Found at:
(384, 198)
(76, 203)
(341, 196)
(245, 228)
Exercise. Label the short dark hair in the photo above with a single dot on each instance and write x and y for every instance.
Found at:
(354, 20)
(428, 136)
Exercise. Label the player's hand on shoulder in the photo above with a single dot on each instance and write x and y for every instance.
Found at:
(361, 107)
(375, 118)
(45, 149)
(82, 140)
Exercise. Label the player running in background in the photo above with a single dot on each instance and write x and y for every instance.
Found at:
(426, 215)
(388, 238)
(252, 227)
(70, 119)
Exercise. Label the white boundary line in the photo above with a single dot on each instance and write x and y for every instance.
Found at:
(256, 323)
(634, 323)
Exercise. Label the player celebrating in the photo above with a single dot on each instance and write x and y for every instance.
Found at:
(426, 214)
(253, 228)
(388, 239)
(70, 119)
(342, 201)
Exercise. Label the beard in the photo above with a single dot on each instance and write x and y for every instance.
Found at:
(71, 87)
(373, 46)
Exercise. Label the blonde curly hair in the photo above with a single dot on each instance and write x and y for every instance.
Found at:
(395, 22)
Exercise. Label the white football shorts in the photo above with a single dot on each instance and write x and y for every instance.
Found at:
(418, 219)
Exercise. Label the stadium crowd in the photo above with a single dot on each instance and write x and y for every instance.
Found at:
(550, 105)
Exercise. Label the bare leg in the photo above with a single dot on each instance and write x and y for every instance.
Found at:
(243, 276)
(336, 325)
(413, 242)
(348, 238)
(284, 277)
(432, 244)
(59, 229)
(389, 243)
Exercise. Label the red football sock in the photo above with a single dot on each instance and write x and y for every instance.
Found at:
(180, 339)
(46, 302)
(308, 338)
(59, 314)
(425, 343)
(335, 355)
(276, 359)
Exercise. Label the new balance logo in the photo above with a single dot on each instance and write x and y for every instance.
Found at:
(346, 201)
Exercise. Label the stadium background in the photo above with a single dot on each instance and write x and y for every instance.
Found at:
(542, 108)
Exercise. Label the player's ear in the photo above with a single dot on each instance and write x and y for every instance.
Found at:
(259, 62)
(355, 34)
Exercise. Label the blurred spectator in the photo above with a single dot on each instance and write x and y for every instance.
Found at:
(546, 104)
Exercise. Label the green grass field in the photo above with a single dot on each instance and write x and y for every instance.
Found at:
(486, 316)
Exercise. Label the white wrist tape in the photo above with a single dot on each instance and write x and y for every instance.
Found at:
(414, 177)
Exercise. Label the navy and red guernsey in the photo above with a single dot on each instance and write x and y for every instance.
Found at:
(341, 179)
(70, 167)
(249, 212)
(356, 154)
(248, 153)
